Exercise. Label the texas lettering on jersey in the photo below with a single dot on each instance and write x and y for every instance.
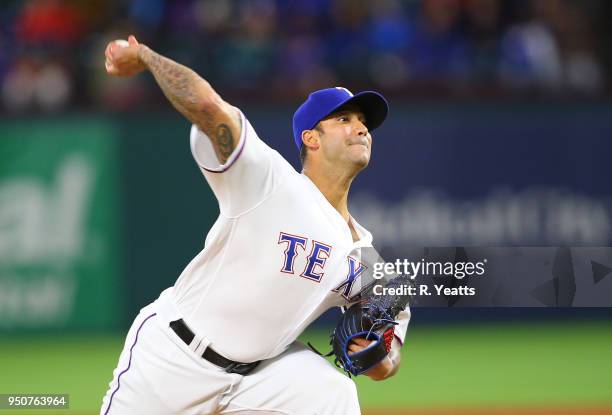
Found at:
(315, 262)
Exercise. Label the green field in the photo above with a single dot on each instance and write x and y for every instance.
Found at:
(476, 366)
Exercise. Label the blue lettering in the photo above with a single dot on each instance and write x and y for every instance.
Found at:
(291, 251)
(353, 272)
(319, 254)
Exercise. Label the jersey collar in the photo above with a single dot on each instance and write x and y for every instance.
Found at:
(365, 237)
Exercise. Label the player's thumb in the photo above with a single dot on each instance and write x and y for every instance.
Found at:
(132, 40)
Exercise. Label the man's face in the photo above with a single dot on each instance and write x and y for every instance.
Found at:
(345, 139)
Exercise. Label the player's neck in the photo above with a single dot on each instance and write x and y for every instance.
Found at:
(334, 187)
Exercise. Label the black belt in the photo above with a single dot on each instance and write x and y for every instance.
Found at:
(184, 332)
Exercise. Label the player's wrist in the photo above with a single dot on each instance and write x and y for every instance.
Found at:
(142, 53)
(382, 370)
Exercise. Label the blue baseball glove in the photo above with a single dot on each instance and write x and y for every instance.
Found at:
(369, 322)
(373, 318)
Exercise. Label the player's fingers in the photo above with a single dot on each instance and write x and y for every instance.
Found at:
(113, 50)
(361, 342)
(357, 345)
(107, 51)
(111, 69)
(119, 56)
(132, 40)
(354, 349)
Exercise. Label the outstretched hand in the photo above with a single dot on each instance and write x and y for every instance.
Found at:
(123, 60)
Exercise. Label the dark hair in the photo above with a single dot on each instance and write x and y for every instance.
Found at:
(304, 149)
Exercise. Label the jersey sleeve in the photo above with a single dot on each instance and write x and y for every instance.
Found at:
(402, 318)
(249, 175)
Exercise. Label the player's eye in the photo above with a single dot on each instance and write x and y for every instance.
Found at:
(343, 118)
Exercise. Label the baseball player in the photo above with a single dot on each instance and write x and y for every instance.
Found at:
(283, 250)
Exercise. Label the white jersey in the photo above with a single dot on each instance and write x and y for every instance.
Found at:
(278, 256)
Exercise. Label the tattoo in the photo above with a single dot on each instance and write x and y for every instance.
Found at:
(178, 82)
(187, 92)
(225, 141)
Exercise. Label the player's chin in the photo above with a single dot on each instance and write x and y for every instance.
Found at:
(363, 157)
(361, 161)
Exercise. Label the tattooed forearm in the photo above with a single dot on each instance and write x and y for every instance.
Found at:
(193, 97)
(180, 84)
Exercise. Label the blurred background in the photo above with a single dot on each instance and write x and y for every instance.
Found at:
(499, 135)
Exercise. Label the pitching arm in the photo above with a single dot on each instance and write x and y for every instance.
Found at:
(189, 93)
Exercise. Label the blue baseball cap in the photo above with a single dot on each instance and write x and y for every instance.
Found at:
(323, 102)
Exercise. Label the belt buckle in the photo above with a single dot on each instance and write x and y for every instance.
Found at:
(241, 368)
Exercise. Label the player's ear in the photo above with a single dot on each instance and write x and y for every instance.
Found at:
(310, 138)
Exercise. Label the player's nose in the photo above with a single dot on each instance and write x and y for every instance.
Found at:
(362, 130)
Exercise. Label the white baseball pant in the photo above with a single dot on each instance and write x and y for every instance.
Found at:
(158, 374)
